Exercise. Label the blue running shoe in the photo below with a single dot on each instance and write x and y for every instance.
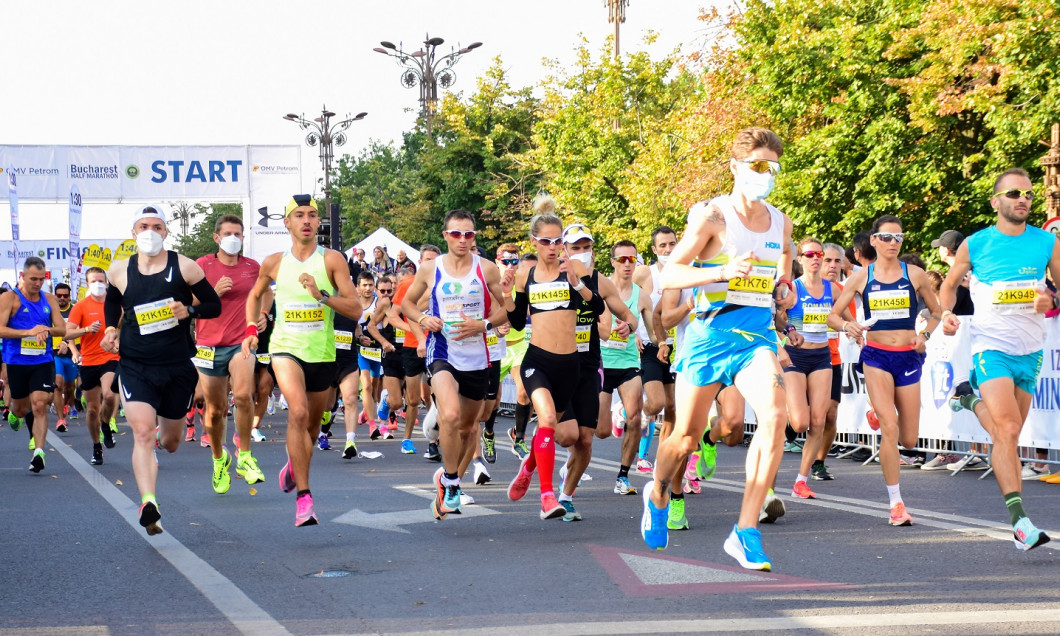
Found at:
(653, 521)
(407, 447)
(452, 500)
(1026, 536)
(746, 547)
(323, 443)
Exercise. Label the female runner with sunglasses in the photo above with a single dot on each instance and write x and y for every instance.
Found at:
(892, 356)
(551, 292)
(808, 378)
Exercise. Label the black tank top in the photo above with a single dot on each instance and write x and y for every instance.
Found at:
(346, 329)
(554, 295)
(150, 333)
(586, 327)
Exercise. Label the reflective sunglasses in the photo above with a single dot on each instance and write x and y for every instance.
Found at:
(762, 166)
(887, 237)
(548, 241)
(509, 261)
(813, 254)
(457, 234)
(1016, 193)
(624, 259)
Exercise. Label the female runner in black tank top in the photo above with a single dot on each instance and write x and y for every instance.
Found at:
(550, 368)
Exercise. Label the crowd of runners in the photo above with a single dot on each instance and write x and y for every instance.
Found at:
(733, 311)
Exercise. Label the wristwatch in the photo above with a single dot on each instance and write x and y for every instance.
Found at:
(489, 326)
(324, 297)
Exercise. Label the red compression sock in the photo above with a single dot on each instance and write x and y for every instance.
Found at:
(544, 451)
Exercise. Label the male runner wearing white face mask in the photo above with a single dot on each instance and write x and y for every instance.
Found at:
(87, 321)
(149, 307)
(217, 344)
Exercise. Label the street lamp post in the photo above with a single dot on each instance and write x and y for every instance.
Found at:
(616, 14)
(327, 135)
(425, 69)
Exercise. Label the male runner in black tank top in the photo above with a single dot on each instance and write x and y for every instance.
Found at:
(157, 379)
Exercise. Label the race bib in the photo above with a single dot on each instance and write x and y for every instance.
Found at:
(30, 347)
(344, 340)
(264, 358)
(493, 345)
(582, 336)
(155, 317)
(374, 355)
(815, 317)
(303, 317)
(203, 357)
(1014, 296)
(616, 341)
(889, 304)
(56, 341)
(554, 295)
(399, 336)
(754, 291)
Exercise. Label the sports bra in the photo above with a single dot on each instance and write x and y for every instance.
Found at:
(554, 295)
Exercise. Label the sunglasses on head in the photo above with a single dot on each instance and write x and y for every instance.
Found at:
(509, 261)
(762, 166)
(1016, 193)
(624, 259)
(887, 237)
(813, 254)
(457, 234)
(548, 241)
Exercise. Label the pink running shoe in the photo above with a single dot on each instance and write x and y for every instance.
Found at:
(690, 467)
(303, 511)
(517, 489)
(692, 487)
(287, 479)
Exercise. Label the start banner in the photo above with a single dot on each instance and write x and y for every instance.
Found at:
(149, 173)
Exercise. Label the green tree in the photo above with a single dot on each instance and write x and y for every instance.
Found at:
(199, 241)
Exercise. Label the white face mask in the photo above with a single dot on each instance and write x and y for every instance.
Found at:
(97, 289)
(662, 259)
(585, 258)
(149, 242)
(755, 185)
(231, 244)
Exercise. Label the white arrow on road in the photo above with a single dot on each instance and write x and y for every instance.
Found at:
(393, 521)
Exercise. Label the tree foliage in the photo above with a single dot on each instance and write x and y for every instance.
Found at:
(199, 240)
(906, 107)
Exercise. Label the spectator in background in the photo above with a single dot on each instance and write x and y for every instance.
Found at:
(381, 263)
(404, 261)
(862, 253)
(355, 263)
(947, 245)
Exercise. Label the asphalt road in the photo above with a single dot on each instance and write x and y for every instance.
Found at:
(74, 560)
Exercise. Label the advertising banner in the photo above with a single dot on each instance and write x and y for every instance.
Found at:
(275, 177)
(75, 238)
(948, 363)
(149, 173)
(12, 198)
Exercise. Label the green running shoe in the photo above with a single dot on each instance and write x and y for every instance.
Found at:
(708, 460)
(676, 519)
(222, 479)
(247, 468)
(350, 451)
(14, 422)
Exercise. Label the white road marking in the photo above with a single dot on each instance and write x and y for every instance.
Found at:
(392, 521)
(236, 606)
(728, 625)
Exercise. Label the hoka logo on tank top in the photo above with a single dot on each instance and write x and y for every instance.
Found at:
(741, 304)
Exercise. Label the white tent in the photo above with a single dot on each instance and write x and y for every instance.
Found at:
(383, 238)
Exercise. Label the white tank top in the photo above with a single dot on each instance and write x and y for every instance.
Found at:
(449, 298)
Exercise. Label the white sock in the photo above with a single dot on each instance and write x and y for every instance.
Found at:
(565, 497)
(803, 478)
(430, 424)
(351, 437)
(894, 494)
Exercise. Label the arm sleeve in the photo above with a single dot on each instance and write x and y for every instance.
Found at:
(596, 303)
(112, 307)
(209, 302)
(517, 317)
